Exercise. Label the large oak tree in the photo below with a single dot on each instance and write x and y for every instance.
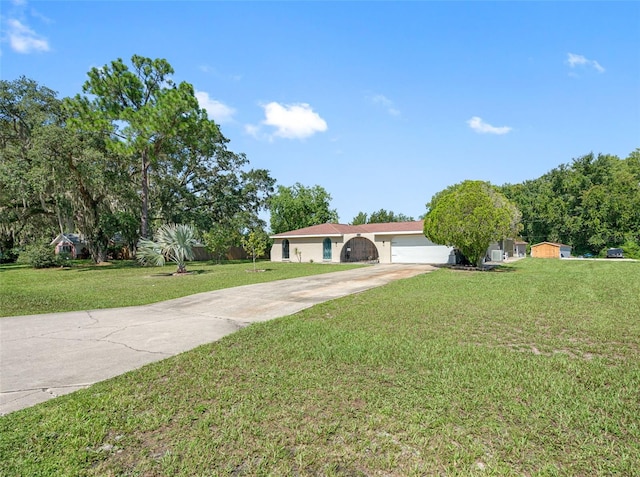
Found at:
(135, 144)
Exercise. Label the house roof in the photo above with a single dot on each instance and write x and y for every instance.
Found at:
(555, 244)
(67, 238)
(338, 230)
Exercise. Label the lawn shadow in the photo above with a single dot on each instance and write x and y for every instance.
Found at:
(484, 268)
(175, 274)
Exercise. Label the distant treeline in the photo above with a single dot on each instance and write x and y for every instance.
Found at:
(591, 204)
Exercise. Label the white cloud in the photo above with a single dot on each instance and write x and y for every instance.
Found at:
(206, 69)
(216, 110)
(210, 70)
(478, 125)
(292, 121)
(253, 130)
(574, 60)
(386, 103)
(23, 39)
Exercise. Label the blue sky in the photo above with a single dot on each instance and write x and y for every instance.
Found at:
(381, 103)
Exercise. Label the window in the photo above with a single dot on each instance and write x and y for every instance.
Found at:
(326, 249)
(285, 249)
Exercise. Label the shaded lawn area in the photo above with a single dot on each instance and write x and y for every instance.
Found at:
(85, 286)
(534, 372)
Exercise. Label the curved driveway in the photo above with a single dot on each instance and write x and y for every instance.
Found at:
(44, 356)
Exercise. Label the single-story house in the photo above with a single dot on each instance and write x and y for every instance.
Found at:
(73, 244)
(394, 242)
(550, 250)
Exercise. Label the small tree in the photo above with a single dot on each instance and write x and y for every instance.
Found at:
(255, 244)
(470, 216)
(219, 239)
(173, 242)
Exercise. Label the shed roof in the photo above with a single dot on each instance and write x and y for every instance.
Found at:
(329, 230)
(555, 244)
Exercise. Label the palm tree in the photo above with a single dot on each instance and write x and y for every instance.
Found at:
(173, 242)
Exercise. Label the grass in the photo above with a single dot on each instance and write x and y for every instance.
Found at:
(533, 370)
(85, 286)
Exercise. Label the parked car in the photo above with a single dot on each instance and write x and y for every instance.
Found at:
(614, 253)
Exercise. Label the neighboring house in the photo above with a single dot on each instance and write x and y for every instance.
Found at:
(513, 247)
(499, 251)
(519, 248)
(394, 242)
(73, 244)
(550, 250)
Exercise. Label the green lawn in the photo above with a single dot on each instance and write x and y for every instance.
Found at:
(25, 291)
(530, 370)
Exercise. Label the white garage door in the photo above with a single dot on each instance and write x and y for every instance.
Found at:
(417, 249)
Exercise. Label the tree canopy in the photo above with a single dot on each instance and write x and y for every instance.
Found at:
(381, 216)
(469, 216)
(591, 204)
(27, 202)
(298, 206)
(133, 153)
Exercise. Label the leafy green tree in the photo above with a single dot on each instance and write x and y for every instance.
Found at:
(255, 244)
(85, 175)
(592, 203)
(220, 237)
(173, 242)
(84, 164)
(381, 216)
(28, 208)
(360, 219)
(51, 172)
(143, 111)
(469, 216)
(169, 141)
(298, 206)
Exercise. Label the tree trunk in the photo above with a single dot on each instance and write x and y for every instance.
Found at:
(144, 218)
(98, 254)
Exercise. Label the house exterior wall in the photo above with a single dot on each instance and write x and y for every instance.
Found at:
(545, 250)
(61, 246)
(310, 248)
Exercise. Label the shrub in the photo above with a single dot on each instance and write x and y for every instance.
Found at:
(631, 249)
(39, 255)
(9, 256)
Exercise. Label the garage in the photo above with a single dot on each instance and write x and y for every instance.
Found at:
(417, 249)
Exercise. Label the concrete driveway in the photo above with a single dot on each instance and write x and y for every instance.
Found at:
(44, 356)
